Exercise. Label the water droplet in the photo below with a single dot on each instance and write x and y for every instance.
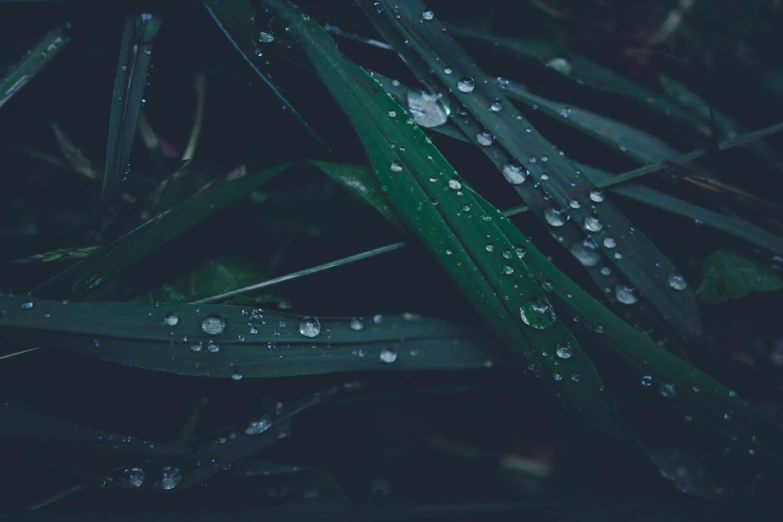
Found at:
(537, 314)
(466, 208)
(377, 318)
(447, 70)
(593, 224)
(448, 252)
(514, 173)
(258, 426)
(466, 84)
(213, 347)
(428, 14)
(213, 324)
(266, 37)
(396, 166)
(309, 327)
(647, 381)
(596, 196)
(454, 184)
(134, 477)
(357, 324)
(196, 347)
(392, 114)
(429, 110)
(520, 250)
(170, 477)
(257, 314)
(501, 82)
(574, 204)
(388, 355)
(508, 254)
(508, 270)
(496, 106)
(96, 343)
(555, 217)
(727, 415)
(586, 252)
(236, 376)
(171, 319)
(677, 282)
(564, 351)
(28, 304)
(490, 248)
(485, 138)
(625, 294)
(557, 376)
(576, 376)
(609, 242)
(560, 64)
(667, 390)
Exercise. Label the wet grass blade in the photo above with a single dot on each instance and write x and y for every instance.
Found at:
(130, 78)
(251, 343)
(573, 194)
(235, 21)
(429, 198)
(35, 59)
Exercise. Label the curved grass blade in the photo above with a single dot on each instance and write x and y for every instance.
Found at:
(730, 276)
(235, 21)
(130, 79)
(252, 342)
(720, 418)
(35, 59)
(427, 195)
(75, 158)
(639, 260)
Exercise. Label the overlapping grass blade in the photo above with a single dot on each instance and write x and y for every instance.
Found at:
(730, 276)
(35, 59)
(130, 79)
(235, 21)
(253, 343)
(633, 255)
(429, 198)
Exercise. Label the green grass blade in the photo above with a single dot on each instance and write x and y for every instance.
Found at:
(235, 21)
(130, 78)
(635, 257)
(427, 195)
(34, 61)
(75, 158)
(252, 342)
(61, 254)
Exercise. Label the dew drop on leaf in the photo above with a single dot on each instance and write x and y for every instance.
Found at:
(677, 282)
(537, 314)
(513, 173)
(134, 477)
(28, 304)
(170, 477)
(357, 324)
(555, 217)
(396, 166)
(388, 355)
(564, 351)
(213, 324)
(171, 319)
(309, 326)
(466, 84)
(428, 14)
(258, 426)
(593, 224)
(625, 294)
(596, 196)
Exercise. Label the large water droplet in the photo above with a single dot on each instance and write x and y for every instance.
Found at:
(514, 173)
(555, 217)
(485, 138)
(560, 64)
(586, 252)
(593, 224)
(28, 304)
(429, 110)
(596, 196)
(564, 351)
(520, 250)
(258, 426)
(171, 319)
(170, 477)
(626, 294)
(266, 37)
(309, 326)
(357, 324)
(134, 477)
(466, 84)
(677, 282)
(213, 324)
(428, 14)
(396, 166)
(454, 184)
(388, 355)
(609, 242)
(496, 106)
(537, 314)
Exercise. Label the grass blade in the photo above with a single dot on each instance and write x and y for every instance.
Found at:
(34, 61)
(252, 342)
(640, 261)
(463, 238)
(730, 276)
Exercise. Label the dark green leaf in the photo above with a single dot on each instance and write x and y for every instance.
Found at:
(730, 276)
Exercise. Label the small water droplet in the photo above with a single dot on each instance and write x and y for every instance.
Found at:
(609, 242)
(555, 217)
(593, 224)
(388, 355)
(266, 37)
(727, 415)
(625, 294)
(196, 347)
(485, 138)
(574, 204)
(392, 114)
(677, 282)
(309, 327)
(496, 106)
(377, 318)
(564, 351)
(428, 14)
(213, 347)
(667, 390)
(508, 254)
(396, 166)
(28, 304)
(96, 343)
(537, 314)
(357, 324)
(508, 270)
(501, 82)
(490, 248)
(466, 84)
(576, 376)
(447, 70)
(596, 195)
(170, 477)
(236, 376)
(213, 324)
(454, 184)
(258, 426)
(171, 319)
(557, 376)
(520, 250)
(514, 173)
(647, 381)
(134, 477)
(586, 252)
